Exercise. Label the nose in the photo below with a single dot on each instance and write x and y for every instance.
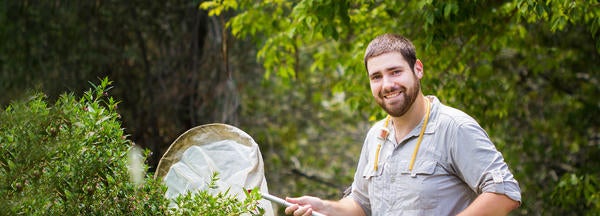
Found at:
(388, 84)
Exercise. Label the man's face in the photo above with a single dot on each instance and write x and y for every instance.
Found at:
(393, 83)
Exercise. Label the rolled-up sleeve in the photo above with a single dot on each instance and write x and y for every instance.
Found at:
(477, 161)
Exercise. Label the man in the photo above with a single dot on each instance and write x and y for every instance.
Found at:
(425, 158)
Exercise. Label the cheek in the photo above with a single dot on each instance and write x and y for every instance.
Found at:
(374, 89)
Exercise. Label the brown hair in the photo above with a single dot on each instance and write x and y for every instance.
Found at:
(392, 43)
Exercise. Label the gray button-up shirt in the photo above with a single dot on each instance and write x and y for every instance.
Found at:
(455, 163)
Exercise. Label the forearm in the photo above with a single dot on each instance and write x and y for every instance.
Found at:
(305, 204)
(490, 204)
(346, 206)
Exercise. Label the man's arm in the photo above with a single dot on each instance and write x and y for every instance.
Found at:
(483, 168)
(490, 204)
(306, 204)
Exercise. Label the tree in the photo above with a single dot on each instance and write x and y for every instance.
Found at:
(164, 58)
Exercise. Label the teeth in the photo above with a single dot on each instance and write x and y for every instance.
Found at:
(391, 95)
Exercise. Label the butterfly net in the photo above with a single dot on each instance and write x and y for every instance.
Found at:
(189, 163)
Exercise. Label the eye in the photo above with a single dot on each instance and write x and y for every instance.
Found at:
(398, 71)
(375, 76)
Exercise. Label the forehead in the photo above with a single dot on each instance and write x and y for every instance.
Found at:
(386, 61)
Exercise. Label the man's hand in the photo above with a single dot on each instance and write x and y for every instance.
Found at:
(304, 206)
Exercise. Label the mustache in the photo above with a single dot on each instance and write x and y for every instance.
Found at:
(399, 89)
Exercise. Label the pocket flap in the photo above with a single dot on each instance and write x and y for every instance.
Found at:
(422, 167)
(371, 172)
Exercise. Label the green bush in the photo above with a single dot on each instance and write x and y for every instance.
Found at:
(70, 158)
(204, 203)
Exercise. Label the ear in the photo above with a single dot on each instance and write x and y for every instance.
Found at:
(418, 68)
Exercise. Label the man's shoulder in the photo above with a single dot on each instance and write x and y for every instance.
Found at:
(451, 115)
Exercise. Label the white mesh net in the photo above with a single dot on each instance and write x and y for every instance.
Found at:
(192, 159)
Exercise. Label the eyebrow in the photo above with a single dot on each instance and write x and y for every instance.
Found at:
(388, 69)
(394, 68)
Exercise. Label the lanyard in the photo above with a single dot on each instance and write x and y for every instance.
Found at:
(385, 133)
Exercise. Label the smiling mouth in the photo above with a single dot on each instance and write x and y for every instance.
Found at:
(391, 95)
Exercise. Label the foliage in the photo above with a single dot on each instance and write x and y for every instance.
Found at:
(527, 70)
(221, 203)
(159, 55)
(574, 191)
(71, 158)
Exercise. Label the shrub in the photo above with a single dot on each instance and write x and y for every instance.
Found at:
(70, 158)
(205, 203)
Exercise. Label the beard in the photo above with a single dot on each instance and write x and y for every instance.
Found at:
(409, 95)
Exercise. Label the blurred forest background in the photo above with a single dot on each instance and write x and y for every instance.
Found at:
(291, 75)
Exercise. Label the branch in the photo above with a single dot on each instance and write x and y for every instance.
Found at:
(315, 178)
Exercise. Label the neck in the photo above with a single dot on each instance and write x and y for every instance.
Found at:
(407, 122)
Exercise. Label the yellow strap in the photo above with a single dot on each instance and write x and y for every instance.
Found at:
(412, 160)
(377, 156)
(387, 121)
(414, 155)
(385, 125)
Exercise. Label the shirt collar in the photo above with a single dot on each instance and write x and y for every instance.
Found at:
(431, 125)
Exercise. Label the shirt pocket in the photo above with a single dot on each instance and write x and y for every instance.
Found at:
(417, 187)
(373, 170)
(370, 172)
